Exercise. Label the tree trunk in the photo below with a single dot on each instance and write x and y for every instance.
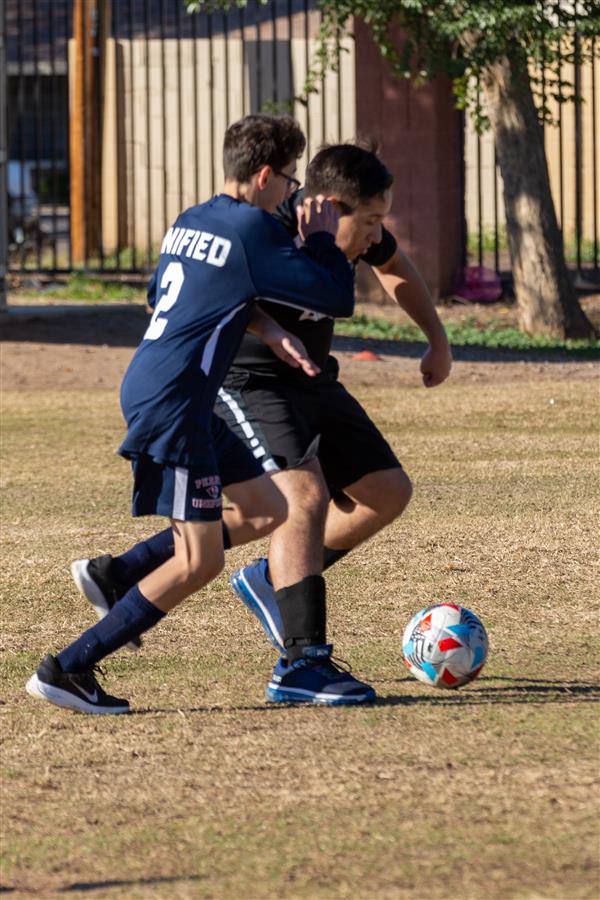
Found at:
(543, 288)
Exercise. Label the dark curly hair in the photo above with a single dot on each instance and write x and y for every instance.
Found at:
(260, 140)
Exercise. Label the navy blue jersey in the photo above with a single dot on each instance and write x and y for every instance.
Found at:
(215, 260)
(314, 330)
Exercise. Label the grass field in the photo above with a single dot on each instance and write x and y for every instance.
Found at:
(206, 791)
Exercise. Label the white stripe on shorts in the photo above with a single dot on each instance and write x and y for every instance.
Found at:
(268, 464)
(180, 493)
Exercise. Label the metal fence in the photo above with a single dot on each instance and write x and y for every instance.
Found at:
(116, 111)
(572, 144)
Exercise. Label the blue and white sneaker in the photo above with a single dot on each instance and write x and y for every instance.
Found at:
(315, 678)
(252, 585)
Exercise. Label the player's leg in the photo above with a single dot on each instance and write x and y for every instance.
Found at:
(104, 579)
(292, 609)
(68, 679)
(369, 486)
(255, 507)
(353, 516)
(302, 490)
(295, 549)
(362, 509)
(268, 415)
(197, 560)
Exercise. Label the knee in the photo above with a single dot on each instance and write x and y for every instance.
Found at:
(306, 494)
(404, 491)
(394, 494)
(273, 514)
(196, 569)
(312, 505)
(311, 497)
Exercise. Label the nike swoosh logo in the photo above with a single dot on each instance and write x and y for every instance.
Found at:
(93, 698)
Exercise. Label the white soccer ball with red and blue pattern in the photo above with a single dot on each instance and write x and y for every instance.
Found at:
(445, 645)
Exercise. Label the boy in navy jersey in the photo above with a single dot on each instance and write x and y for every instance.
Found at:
(215, 261)
(340, 477)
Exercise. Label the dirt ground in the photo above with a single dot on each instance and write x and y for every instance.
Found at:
(204, 790)
(63, 346)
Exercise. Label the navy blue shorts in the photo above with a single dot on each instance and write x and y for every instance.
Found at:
(193, 493)
(185, 494)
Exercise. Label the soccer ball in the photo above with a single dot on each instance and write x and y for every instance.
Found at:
(445, 645)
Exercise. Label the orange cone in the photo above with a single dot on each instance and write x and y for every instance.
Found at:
(367, 356)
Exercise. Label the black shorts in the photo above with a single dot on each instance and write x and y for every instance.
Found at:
(295, 424)
(238, 456)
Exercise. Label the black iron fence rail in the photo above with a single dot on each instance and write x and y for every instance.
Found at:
(39, 67)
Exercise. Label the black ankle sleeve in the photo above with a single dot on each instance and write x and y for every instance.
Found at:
(302, 608)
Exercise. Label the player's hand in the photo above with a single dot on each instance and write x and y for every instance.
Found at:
(292, 351)
(317, 214)
(284, 345)
(436, 364)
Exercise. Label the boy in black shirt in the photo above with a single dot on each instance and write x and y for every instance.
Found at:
(341, 479)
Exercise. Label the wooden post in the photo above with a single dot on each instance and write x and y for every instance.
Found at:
(84, 138)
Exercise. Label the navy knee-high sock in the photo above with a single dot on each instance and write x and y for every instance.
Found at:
(131, 616)
(143, 558)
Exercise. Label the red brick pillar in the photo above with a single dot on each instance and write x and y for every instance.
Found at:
(419, 135)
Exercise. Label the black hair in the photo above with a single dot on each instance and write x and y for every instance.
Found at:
(350, 172)
(260, 140)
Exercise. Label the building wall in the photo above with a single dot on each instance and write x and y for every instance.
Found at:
(419, 134)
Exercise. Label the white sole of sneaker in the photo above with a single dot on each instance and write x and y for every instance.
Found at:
(43, 691)
(278, 644)
(277, 694)
(90, 590)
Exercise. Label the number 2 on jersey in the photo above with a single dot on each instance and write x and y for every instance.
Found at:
(172, 280)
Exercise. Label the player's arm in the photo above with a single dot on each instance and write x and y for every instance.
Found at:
(282, 343)
(400, 279)
(322, 281)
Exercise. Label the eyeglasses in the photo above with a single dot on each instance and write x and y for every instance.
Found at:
(292, 183)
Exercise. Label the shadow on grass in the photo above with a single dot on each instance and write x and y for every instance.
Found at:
(110, 883)
(509, 691)
(124, 326)
(470, 353)
(518, 690)
(123, 883)
(92, 326)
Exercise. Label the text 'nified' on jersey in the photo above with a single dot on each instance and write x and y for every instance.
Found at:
(202, 245)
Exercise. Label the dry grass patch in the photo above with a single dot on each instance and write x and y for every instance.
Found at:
(205, 791)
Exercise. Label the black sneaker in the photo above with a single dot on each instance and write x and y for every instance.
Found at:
(73, 690)
(94, 579)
